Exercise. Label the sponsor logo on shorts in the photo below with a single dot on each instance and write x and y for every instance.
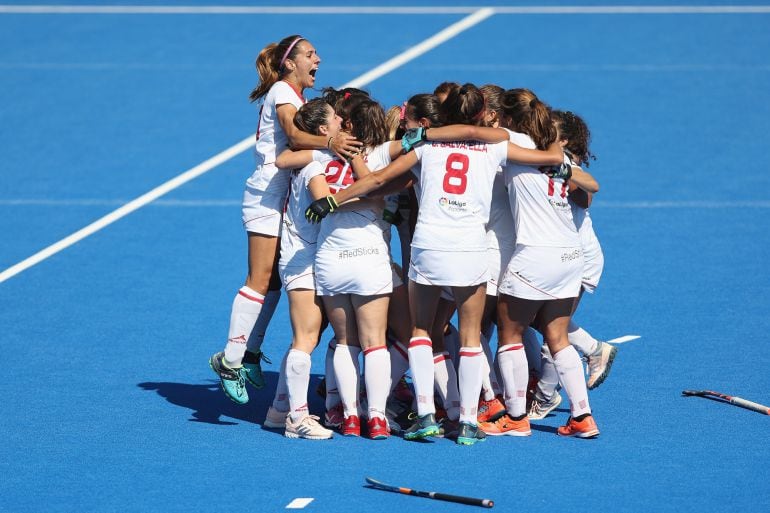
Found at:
(453, 205)
(572, 255)
(357, 252)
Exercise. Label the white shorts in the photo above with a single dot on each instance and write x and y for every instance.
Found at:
(295, 278)
(593, 262)
(262, 210)
(498, 262)
(452, 268)
(543, 273)
(364, 271)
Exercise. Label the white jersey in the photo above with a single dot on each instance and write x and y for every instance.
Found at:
(271, 138)
(501, 232)
(299, 237)
(455, 194)
(352, 227)
(541, 211)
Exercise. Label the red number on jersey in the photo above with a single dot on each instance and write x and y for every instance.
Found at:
(455, 179)
(551, 190)
(338, 175)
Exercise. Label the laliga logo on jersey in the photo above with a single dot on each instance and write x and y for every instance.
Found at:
(452, 204)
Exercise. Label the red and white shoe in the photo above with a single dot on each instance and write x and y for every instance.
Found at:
(507, 426)
(585, 428)
(334, 416)
(351, 426)
(378, 428)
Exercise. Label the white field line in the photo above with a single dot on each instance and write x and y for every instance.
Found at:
(621, 340)
(236, 9)
(299, 503)
(236, 149)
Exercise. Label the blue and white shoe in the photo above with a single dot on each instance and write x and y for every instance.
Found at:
(423, 427)
(470, 434)
(232, 380)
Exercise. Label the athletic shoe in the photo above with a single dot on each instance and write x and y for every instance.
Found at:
(334, 417)
(448, 428)
(585, 428)
(490, 411)
(393, 425)
(275, 419)
(599, 364)
(540, 409)
(351, 426)
(232, 380)
(378, 428)
(470, 434)
(531, 387)
(307, 427)
(423, 427)
(252, 365)
(506, 426)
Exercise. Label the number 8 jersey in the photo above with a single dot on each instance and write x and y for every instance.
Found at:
(455, 193)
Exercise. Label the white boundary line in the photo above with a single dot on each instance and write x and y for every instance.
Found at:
(299, 503)
(236, 9)
(622, 340)
(430, 43)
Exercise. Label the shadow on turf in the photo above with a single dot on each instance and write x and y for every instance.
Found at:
(210, 405)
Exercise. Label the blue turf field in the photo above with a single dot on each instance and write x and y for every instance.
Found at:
(108, 403)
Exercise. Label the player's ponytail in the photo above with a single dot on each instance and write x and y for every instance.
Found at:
(528, 115)
(270, 64)
(463, 105)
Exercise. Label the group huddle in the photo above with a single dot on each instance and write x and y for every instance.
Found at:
(487, 197)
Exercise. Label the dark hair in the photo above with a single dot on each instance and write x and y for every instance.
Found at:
(425, 106)
(528, 115)
(444, 87)
(312, 115)
(464, 105)
(493, 99)
(368, 121)
(269, 66)
(572, 128)
(344, 100)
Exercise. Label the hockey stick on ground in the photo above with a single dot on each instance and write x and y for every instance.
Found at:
(738, 401)
(486, 503)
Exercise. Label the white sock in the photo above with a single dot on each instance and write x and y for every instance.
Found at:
(347, 369)
(377, 379)
(257, 335)
(570, 369)
(421, 364)
(446, 384)
(297, 381)
(281, 399)
(399, 363)
(246, 307)
(581, 339)
(470, 369)
(332, 394)
(490, 384)
(549, 379)
(513, 365)
(532, 348)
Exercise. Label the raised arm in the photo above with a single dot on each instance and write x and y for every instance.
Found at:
(291, 159)
(342, 144)
(584, 180)
(466, 133)
(320, 208)
(553, 156)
